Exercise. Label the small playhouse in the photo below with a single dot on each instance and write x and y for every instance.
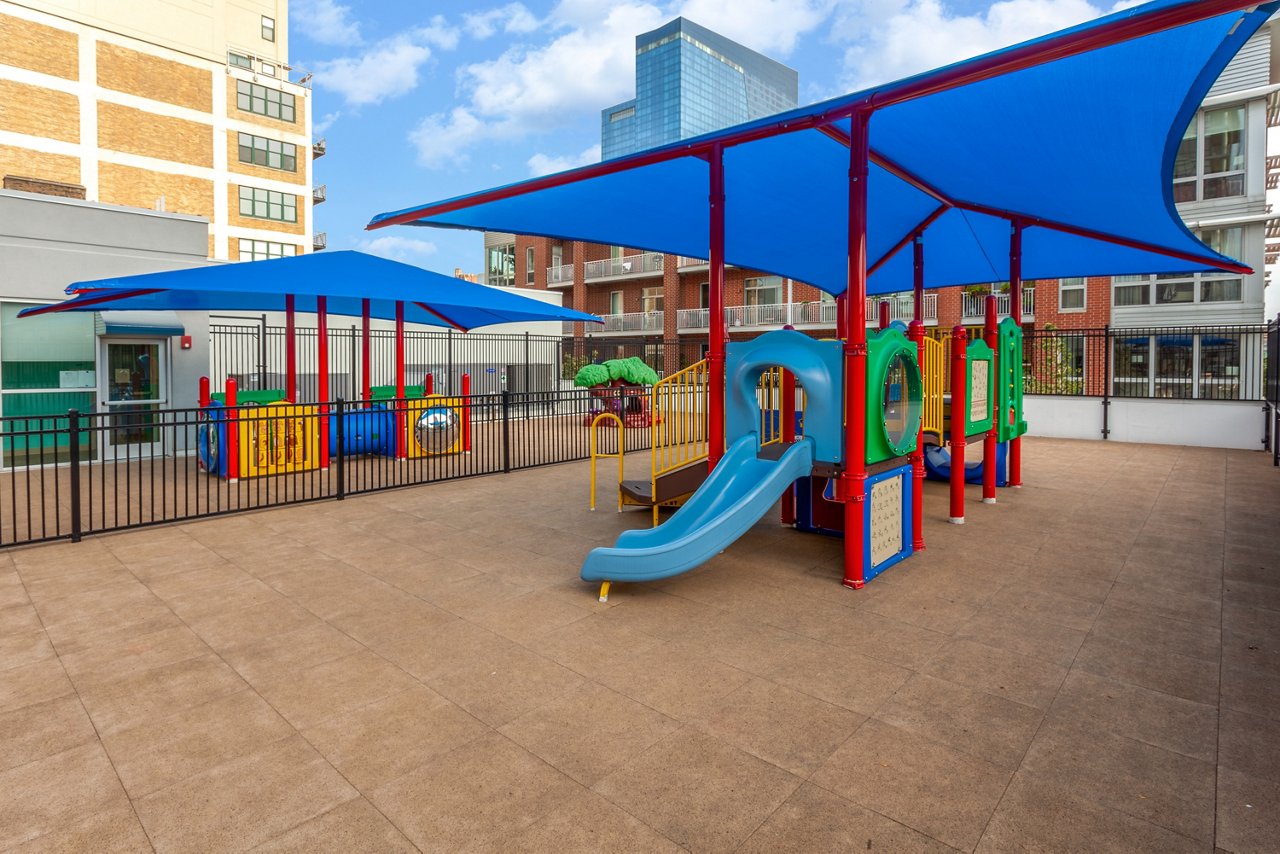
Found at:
(620, 387)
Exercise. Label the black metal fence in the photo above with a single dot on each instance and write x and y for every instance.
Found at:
(1271, 391)
(82, 473)
(1183, 362)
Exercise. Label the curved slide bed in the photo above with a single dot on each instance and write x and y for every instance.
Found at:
(937, 465)
(737, 493)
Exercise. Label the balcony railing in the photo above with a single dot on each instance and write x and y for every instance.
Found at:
(647, 263)
(318, 194)
(803, 314)
(684, 261)
(319, 240)
(560, 274)
(636, 321)
(974, 306)
(317, 149)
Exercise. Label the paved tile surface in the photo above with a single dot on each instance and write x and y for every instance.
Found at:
(1093, 664)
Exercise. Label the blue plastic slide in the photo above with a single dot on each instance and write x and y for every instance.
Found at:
(937, 465)
(738, 492)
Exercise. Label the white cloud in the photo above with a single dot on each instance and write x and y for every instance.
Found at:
(389, 68)
(511, 18)
(406, 249)
(590, 65)
(325, 122)
(325, 21)
(544, 164)
(904, 38)
(769, 26)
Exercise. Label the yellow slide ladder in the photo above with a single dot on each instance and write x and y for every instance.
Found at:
(934, 372)
(679, 424)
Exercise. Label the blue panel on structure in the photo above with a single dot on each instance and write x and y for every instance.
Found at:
(818, 368)
(902, 473)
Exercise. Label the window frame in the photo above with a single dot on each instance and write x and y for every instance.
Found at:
(749, 288)
(262, 154)
(530, 258)
(286, 250)
(250, 95)
(1078, 284)
(1199, 176)
(268, 24)
(261, 203)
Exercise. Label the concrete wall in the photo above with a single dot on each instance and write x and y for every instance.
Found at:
(1202, 423)
(48, 243)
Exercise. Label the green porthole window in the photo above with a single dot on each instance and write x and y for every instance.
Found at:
(901, 403)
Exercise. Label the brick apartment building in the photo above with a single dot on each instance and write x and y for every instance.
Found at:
(185, 108)
(656, 305)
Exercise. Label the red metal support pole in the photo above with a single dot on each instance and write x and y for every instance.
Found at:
(959, 406)
(366, 352)
(204, 392)
(787, 415)
(400, 402)
(915, 332)
(233, 432)
(1015, 311)
(715, 300)
(429, 384)
(466, 413)
(991, 335)
(842, 317)
(884, 314)
(853, 480)
(322, 375)
(290, 350)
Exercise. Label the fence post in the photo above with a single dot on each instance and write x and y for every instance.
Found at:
(526, 388)
(262, 352)
(506, 430)
(1106, 382)
(340, 445)
(73, 431)
(449, 359)
(466, 413)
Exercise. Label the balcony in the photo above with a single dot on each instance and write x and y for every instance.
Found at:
(559, 275)
(973, 306)
(318, 194)
(636, 322)
(626, 267)
(317, 149)
(319, 241)
(684, 262)
(802, 315)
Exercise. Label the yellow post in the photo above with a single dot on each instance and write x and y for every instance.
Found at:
(604, 591)
(621, 444)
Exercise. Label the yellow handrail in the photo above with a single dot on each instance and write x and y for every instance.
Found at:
(679, 423)
(595, 422)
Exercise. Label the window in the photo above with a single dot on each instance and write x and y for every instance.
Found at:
(268, 152)
(268, 204)
(557, 255)
(268, 69)
(1187, 288)
(528, 265)
(1210, 159)
(615, 302)
(268, 28)
(239, 60)
(704, 295)
(766, 290)
(260, 250)
(272, 103)
(1071, 294)
(500, 265)
(625, 113)
(651, 299)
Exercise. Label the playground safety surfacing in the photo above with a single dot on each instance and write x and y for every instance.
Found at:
(1092, 664)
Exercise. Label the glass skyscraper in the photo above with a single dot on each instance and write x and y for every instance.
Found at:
(691, 81)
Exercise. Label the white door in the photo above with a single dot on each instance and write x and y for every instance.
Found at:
(134, 389)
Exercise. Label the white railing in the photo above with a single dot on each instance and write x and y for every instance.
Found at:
(636, 321)
(902, 307)
(803, 314)
(974, 306)
(628, 265)
(684, 261)
(561, 274)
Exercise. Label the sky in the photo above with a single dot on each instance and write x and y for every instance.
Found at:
(421, 101)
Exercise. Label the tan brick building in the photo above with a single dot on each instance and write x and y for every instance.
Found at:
(179, 107)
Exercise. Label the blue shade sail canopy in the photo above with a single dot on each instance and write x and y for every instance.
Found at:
(344, 278)
(1080, 148)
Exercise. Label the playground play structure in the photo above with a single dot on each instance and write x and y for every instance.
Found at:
(923, 163)
(258, 433)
